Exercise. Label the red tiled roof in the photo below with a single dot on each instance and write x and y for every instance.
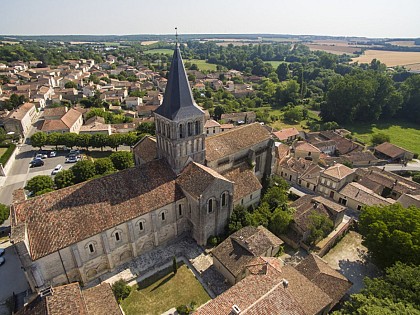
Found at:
(60, 218)
(245, 182)
(284, 134)
(390, 149)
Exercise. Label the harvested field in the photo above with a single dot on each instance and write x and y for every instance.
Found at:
(390, 58)
(333, 49)
(403, 43)
(149, 42)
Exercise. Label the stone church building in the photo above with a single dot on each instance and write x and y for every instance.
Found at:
(184, 182)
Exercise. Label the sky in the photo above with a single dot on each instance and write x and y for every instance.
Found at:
(364, 18)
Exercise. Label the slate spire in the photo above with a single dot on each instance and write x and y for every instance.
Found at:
(178, 103)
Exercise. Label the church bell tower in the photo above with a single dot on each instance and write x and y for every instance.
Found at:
(179, 121)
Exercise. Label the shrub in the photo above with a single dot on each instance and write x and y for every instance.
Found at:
(121, 290)
(212, 240)
(379, 138)
(6, 156)
(4, 213)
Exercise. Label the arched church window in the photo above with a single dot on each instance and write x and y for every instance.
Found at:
(210, 205)
(224, 199)
(181, 131)
(190, 129)
(197, 127)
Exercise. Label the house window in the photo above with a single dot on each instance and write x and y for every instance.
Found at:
(359, 207)
(180, 210)
(162, 216)
(91, 248)
(117, 236)
(224, 203)
(307, 185)
(210, 205)
(309, 153)
(141, 226)
(322, 180)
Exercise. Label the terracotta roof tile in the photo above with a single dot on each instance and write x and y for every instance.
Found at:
(100, 300)
(146, 149)
(284, 134)
(232, 141)
(211, 123)
(20, 112)
(363, 195)
(71, 117)
(58, 219)
(245, 182)
(338, 171)
(390, 149)
(196, 178)
(307, 147)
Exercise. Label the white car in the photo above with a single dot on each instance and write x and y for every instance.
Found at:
(57, 169)
(38, 157)
(53, 154)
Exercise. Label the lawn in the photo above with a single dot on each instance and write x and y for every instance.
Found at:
(164, 291)
(275, 63)
(204, 65)
(98, 154)
(280, 124)
(2, 151)
(401, 133)
(159, 51)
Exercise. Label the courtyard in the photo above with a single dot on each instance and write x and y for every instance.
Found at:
(350, 258)
(163, 291)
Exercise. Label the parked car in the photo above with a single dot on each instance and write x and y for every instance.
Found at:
(38, 156)
(73, 152)
(36, 162)
(2, 251)
(2, 260)
(57, 169)
(73, 159)
(53, 154)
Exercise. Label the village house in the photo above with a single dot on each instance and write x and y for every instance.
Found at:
(333, 179)
(239, 118)
(287, 135)
(303, 149)
(95, 125)
(392, 153)
(70, 299)
(62, 119)
(212, 127)
(20, 120)
(231, 257)
(310, 288)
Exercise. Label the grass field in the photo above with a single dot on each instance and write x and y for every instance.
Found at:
(390, 58)
(163, 291)
(203, 65)
(93, 155)
(275, 63)
(403, 134)
(159, 51)
(2, 151)
(280, 124)
(334, 49)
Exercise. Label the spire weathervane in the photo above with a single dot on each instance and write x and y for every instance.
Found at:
(176, 35)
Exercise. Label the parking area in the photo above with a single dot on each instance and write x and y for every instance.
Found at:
(12, 278)
(49, 164)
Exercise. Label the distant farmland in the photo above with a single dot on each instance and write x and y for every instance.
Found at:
(390, 58)
(335, 49)
(159, 51)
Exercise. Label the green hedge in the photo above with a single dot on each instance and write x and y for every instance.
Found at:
(6, 156)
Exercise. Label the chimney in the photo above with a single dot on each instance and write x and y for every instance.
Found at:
(236, 310)
(285, 283)
(46, 292)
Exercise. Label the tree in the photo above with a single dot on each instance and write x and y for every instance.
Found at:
(83, 170)
(99, 140)
(391, 233)
(122, 159)
(69, 139)
(174, 265)
(280, 221)
(379, 138)
(261, 215)
(276, 197)
(104, 166)
(293, 115)
(54, 139)
(416, 178)
(121, 290)
(130, 139)
(146, 127)
(65, 178)
(218, 112)
(4, 213)
(115, 140)
(83, 140)
(283, 71)
(397, 292)
(39, 139)
(70, 85)
(38, 183)
(238, 219)
(319, 227)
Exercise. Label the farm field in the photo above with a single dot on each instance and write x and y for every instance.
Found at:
(157, 294)
(334, 49)
(149, 42)
(404, 43)
(159, 51)
(390, 58)
(401, 133)
(204, 65)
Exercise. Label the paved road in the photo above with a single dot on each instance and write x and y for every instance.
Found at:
(12, 278)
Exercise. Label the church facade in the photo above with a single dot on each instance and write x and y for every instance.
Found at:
(187, 184)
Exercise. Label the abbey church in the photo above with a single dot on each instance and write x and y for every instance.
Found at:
(184, 182)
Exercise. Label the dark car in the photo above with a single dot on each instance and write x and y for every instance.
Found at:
(36, 163)
(2, 251)
(2, 260)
